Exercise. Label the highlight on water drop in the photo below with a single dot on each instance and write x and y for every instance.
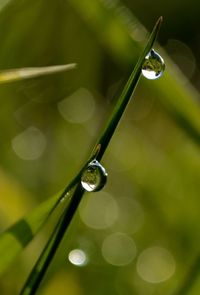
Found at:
(94, 177)
(153, 66)
(78, 257)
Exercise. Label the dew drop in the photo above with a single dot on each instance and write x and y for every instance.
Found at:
(78, 257)
(94, 177)
(153, 66)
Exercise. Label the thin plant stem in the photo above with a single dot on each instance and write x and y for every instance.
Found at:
(126, 94)
(49, 251)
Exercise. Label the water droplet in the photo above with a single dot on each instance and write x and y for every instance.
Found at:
(153, 66)
(94, 177)
(78, 257)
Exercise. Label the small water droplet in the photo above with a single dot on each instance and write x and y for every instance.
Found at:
(94, 177)
(153, 66)
(78, 257)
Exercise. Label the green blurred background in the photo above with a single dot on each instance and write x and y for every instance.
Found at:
(141, 233)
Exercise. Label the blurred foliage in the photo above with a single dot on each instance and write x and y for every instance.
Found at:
(49, 124)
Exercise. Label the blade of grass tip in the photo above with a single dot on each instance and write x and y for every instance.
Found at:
(127, 93)
(11, 75)
(49, 251)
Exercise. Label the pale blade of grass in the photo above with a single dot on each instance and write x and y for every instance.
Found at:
(14, 239)
(26, 73)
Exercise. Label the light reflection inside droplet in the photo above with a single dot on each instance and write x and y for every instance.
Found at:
(119, 249)
(153, 66)
(78, 257)
(94, 177)
(155, 265)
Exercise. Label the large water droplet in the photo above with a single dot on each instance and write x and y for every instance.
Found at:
(94, 177)
(153, 66)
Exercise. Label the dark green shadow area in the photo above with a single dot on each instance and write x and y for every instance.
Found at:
(22, 232)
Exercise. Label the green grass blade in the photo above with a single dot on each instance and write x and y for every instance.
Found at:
(16, 238)
(27, 73)
(180, 101)
(126, 93)
(46, 256)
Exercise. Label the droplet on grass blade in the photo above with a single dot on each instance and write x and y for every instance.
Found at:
(153, 66)
(94, 177)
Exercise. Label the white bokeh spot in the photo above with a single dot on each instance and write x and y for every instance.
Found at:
(29, 144)
(77, 108)
(155, 265)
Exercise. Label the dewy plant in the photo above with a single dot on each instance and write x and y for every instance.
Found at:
(92, 177)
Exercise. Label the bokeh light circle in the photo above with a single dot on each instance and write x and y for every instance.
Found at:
(99, 211)
(77, 108)
(29, 144)
(155, 265)
(131, 215)
(119, 249)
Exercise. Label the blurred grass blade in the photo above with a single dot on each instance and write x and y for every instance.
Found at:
(190, 279)
(16, 237)
(3, 3)
(26, 73)
(46, 256)
(36, 274)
